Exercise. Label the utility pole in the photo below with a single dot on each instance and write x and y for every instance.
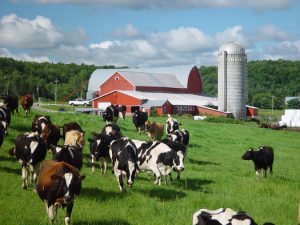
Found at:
(272, 103)
(56, 81)
(6, 83)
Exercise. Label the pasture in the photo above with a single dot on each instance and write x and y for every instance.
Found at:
(214, 177)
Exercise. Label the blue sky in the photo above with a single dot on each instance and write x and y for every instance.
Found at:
(147, 33)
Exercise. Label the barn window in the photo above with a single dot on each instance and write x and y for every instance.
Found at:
(117, 78)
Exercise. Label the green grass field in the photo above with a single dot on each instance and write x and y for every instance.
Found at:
(214, 177)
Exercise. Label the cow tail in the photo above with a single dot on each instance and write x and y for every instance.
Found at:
(12, 152)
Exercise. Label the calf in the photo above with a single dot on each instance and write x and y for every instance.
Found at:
(71, 126)
(26, 102)
(57, 186)
(158, 158)
(2, 133)
(74, 137)
(68, 154)
(171, 125)
(154, 130)
(39, 123)
(123, 154)
(30, 150)
(111, 114)
(180, 149)
(139, 119)
(222, 216)
(99, 150)
(5, 117)
(262, 158)
(182, 136)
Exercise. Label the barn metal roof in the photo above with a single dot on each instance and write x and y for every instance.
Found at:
(174, 99)
(181, 72)
(151, 79)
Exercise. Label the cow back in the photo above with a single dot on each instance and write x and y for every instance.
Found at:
(71, 126)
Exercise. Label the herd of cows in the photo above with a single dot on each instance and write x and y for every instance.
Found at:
(58, 181)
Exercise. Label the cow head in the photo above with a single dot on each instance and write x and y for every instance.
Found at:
(248, 155)
(99, 144)
(69, 185)
(172, 125)
(178, 161)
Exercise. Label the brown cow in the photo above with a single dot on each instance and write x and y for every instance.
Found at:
(57, 186)
(26, 102)
(74, 137)
(154, 130)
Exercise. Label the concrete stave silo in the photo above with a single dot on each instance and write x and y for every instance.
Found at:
(232, 79)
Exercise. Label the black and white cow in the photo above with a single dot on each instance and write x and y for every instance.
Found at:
(112, 130)
(182, 136)
(111, 114)
(122, 111)
(30, 150)
(70, 154)
(123, 154)
(39, 123)
(57, 186)
(223, 216)
(5, 117)
(180, 149)
(2, 134)
(171, 125)
(99, 150)
(262, 158)
(139, 119)
(158, 158)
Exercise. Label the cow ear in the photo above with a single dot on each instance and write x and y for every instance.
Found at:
(55, 177)
(81, 178)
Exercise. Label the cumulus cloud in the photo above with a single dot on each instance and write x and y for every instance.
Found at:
(23, 57)
(271, 33)
(176, 4)
(129, 32)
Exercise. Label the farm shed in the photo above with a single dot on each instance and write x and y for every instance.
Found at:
(165, 103)
(175, 79)
(252, 111)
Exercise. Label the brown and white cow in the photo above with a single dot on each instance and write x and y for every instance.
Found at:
(30, 151)
(71, 126)
(57, 186)
(39, 123)
(154, 130)
(74, 137)
(26, 102)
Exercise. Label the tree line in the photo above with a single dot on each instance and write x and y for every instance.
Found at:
(269, 81)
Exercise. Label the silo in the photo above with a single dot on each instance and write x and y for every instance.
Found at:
(232, 79)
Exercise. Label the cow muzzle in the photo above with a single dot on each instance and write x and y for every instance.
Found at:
(179, 168)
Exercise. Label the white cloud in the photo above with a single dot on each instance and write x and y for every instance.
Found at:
(23, 57)
(129, 31)
(176, 4)
(270, 33)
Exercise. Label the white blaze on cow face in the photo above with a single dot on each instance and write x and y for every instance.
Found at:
(108, 130)
(58, 149)
(33, 146)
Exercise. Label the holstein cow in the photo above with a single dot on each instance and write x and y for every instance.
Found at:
(39, 123)
(11, 102)
(30, 150)
(158, 158)
(154, 130)
(122, 111)
(223, 216)
(71, 126)
(2, 133)
(57, 186)
(68, 154)
(262, 158)
(51, 134)
(139, 119)
(111, 114)
(182, 136)
(74, 137)
(5, 117)
(26, 102)
(180, 149)
(123, 154)
(112, 130)
(99, 150)
(171, 125)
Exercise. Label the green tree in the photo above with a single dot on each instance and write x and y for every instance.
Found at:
(293, 104)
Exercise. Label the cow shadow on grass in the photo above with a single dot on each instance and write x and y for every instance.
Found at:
(102, 222)
(202, 163)
(163, 194)
(11, 170)
(8, 159)
(21, 128)
(96, 193)
(194, 185)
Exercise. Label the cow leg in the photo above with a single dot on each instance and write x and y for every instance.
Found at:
(101, 162)
(118, 174)
(264, 172)
(157, 176)
(178, 175)
(93, 164)
(52, 211)
(68, 214)
(24, 177)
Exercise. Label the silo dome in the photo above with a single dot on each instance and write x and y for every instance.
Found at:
(232, 79)
(232, 48)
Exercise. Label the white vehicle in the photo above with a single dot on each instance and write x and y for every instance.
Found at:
(79, 101)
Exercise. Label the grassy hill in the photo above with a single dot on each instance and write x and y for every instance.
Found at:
(214, 177)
